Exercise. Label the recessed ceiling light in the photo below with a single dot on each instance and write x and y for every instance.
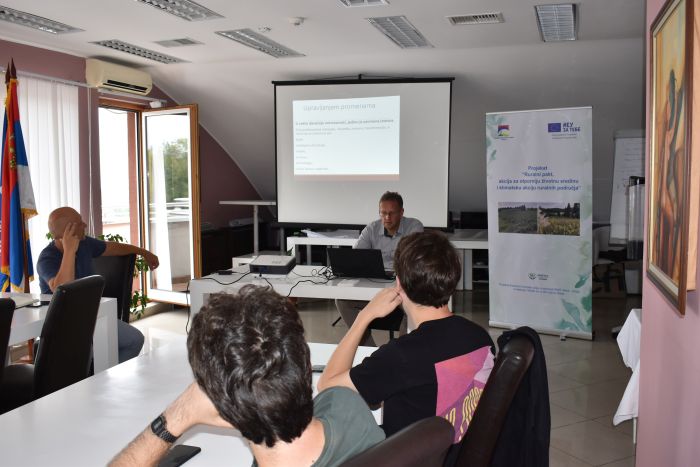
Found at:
(35, 22)
(557, 22)
(400, 30)
(480, 18)
(359, 3)
(259, 42)
(185, 9)
(138, 51)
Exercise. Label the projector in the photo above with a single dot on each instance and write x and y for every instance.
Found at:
(271, 264)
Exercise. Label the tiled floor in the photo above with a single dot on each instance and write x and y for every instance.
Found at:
(586, 379)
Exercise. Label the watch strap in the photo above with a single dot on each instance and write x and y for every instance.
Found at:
(159, 428)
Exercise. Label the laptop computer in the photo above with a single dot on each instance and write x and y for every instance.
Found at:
(358, 262)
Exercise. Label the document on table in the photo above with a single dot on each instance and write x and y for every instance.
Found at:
(340, 233)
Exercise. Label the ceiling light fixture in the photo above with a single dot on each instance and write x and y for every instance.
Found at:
(185, 9)
(252, 39)
(360, 3)
(138, 51)
(557, 22)
(400, 30)
(480, 18)
(35, 22)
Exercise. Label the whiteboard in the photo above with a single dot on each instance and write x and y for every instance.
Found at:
(628, 161)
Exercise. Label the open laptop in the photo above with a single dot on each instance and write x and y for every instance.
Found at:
(358, 262)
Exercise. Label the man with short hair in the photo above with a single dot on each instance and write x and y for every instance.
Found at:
(69, 257)
(252, 371)
(382, 234)
(438, 369)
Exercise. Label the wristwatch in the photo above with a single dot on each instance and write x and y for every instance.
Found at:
(160, 429)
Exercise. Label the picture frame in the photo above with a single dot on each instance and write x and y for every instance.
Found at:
(672, 219)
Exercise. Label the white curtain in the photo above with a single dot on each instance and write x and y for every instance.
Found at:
(49, 114)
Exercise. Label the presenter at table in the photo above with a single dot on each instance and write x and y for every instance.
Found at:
(382, 234)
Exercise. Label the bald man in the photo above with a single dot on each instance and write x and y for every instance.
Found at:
(69, 257)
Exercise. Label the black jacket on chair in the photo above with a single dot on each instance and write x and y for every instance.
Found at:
(524, 439)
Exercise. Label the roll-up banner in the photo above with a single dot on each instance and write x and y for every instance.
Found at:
(539, 171)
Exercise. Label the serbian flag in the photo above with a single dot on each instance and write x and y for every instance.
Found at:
(16, 197)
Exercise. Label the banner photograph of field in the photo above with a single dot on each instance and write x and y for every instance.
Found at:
(539, 218)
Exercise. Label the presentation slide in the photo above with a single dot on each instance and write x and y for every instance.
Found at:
(347, 138)
(341, 144)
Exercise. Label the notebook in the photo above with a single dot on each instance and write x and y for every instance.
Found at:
(358, 262)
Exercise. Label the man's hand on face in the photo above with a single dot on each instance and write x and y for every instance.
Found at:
(151, 260)
(383, 303)
(71, 238)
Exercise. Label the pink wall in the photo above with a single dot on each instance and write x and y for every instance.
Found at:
(221, 178)
(669, 398)
(63, 66)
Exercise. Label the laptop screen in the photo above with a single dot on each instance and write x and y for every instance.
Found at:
(357, 262)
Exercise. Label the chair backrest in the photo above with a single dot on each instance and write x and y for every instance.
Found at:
(421, 444)
(390, 322)
(65, 351)
(513, 361)
(7, 310)
(118, 272)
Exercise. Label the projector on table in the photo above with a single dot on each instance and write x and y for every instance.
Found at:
(271, 264)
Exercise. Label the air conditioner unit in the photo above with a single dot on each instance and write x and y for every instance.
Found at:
(107, 75)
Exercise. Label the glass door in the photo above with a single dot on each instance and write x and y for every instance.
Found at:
(170, 196)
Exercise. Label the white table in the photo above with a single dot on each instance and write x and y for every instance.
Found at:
(28, 321)
(292, 285)
(255, 204)
(89, 422)
(629, 341)
(464, 240)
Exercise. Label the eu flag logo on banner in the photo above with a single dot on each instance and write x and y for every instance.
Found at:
(554, 127)
(16, 197)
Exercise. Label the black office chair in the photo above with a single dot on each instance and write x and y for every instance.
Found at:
(479, 442)
(65, 352)
(391, 322)
(118, 272)
(421, 444)
(7, 310)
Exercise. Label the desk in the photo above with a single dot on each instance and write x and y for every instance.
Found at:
(345, 289)
(255, 204)
(89, 422)
(27, 323)
(464, 240)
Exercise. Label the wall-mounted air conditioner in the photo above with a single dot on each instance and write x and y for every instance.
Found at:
(117, 77)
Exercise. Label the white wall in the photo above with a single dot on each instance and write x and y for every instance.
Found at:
(606, 74)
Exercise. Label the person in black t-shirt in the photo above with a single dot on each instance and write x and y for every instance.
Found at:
(438, 369)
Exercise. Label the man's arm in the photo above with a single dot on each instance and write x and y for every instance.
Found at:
(193, 407)
(69, 242)
(365, 240)
(121, 249)
(337, 372)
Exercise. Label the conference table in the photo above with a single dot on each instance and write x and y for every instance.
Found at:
(89, 422)
(28, 321)
(464, 240)
(303, 282)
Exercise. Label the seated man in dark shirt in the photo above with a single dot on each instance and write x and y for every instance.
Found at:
(438, 369)
(69, 257)
(252, 371)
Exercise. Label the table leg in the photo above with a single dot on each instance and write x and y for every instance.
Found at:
(105, 342)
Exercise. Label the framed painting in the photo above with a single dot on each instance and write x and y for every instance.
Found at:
(670, 229)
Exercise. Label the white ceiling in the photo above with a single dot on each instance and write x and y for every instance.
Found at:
(497, 67)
